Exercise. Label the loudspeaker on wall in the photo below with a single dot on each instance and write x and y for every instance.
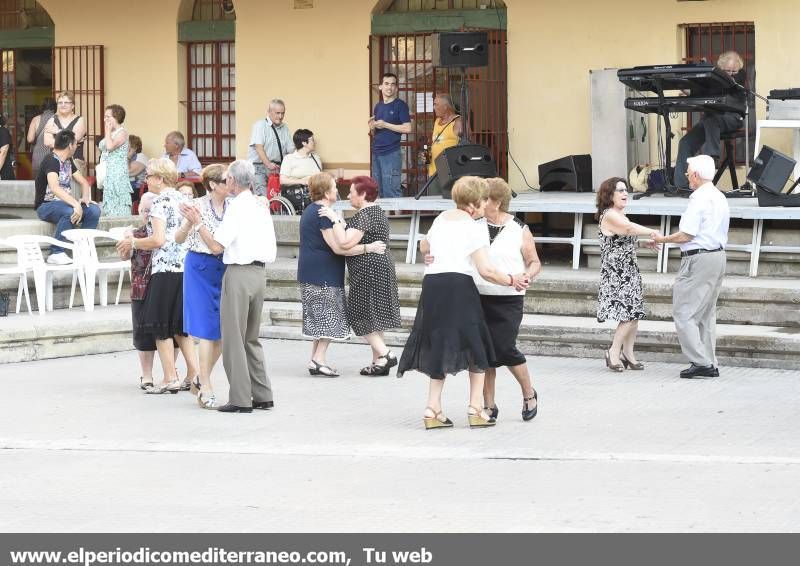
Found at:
(460, 49)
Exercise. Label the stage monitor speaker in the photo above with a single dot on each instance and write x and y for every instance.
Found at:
(570, 173)
(771, 169)
(460, 49)
(461, 160)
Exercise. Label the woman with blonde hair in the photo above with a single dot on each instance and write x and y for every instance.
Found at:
(162, 309)
(449, 333)
(512, 249)
(202, 277)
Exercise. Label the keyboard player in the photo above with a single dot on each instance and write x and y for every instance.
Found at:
(704, 137)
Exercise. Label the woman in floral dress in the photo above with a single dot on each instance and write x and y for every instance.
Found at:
(116, 185)
(620, 296)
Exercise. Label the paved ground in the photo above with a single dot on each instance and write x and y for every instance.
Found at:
(84, 450)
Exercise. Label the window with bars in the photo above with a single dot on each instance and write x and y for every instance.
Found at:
(211, 105)
(706, 42)
(211, 87)
(409, 56)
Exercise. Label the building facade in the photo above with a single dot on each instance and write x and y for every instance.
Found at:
(209, 67)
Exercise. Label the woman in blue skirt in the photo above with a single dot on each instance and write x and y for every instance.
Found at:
(202, 279)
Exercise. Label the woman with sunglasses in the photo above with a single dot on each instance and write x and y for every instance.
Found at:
(202, 276)
(620, 296)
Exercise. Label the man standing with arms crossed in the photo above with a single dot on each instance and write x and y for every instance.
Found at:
(246, 238)
(702, 235)
(389, 121)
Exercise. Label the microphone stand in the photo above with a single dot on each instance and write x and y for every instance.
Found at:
(747, 94)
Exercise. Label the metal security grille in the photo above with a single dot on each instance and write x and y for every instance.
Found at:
(81, 70)
(213, 10)
(409, 56)
(23, 14)
(8, 95)
(440, 5)
(211, 103)
(705, 42)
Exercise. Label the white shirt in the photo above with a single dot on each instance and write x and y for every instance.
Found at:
(452, 243)
(298, 166)
(505, 255)
(246, 231)
(706, 218)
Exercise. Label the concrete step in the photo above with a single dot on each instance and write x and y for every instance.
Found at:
(74, 333)
(559, 291)
(546, 335)
(562, 291)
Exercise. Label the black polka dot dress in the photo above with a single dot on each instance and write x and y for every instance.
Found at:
(372, 303)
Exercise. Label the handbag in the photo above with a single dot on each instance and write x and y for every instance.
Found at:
(100, 171)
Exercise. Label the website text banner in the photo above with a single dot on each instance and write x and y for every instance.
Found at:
(393, 549)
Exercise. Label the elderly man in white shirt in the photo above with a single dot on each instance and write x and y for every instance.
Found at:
(270, 142)
(246, 238)
(702, 235)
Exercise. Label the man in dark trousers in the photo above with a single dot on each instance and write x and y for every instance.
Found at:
(705, 135)
(246, 238)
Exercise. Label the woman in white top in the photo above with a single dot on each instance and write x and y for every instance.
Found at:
(449, 333)
(162, 309)
(297, 167)
(202, 277)
(511, 249)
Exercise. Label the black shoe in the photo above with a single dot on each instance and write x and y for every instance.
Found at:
(228, 408)
(263, 405)
(528, 414)
(699, 371)
(492, 411)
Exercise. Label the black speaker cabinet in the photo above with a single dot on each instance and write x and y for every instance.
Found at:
(461, 49)
(771, 169)
(461, 160)
(570, 173)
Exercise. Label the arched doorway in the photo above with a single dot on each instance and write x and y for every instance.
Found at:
(26, 36)
(209, 37)
(401, 42)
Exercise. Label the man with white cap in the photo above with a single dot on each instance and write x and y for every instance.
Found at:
(702, 235)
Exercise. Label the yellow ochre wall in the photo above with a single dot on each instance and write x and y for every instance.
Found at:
(317, 61)
(553, 46)
(142, 69)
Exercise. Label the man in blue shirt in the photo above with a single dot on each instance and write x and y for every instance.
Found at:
(390, 120)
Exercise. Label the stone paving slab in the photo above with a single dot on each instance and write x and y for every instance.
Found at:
(82, 448)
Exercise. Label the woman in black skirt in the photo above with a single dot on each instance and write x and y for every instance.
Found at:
(162, 308)
(511, 248)
(449, 333)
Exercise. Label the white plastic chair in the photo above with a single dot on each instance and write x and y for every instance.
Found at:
(85, 256)
(29, 256)
(22, 287)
